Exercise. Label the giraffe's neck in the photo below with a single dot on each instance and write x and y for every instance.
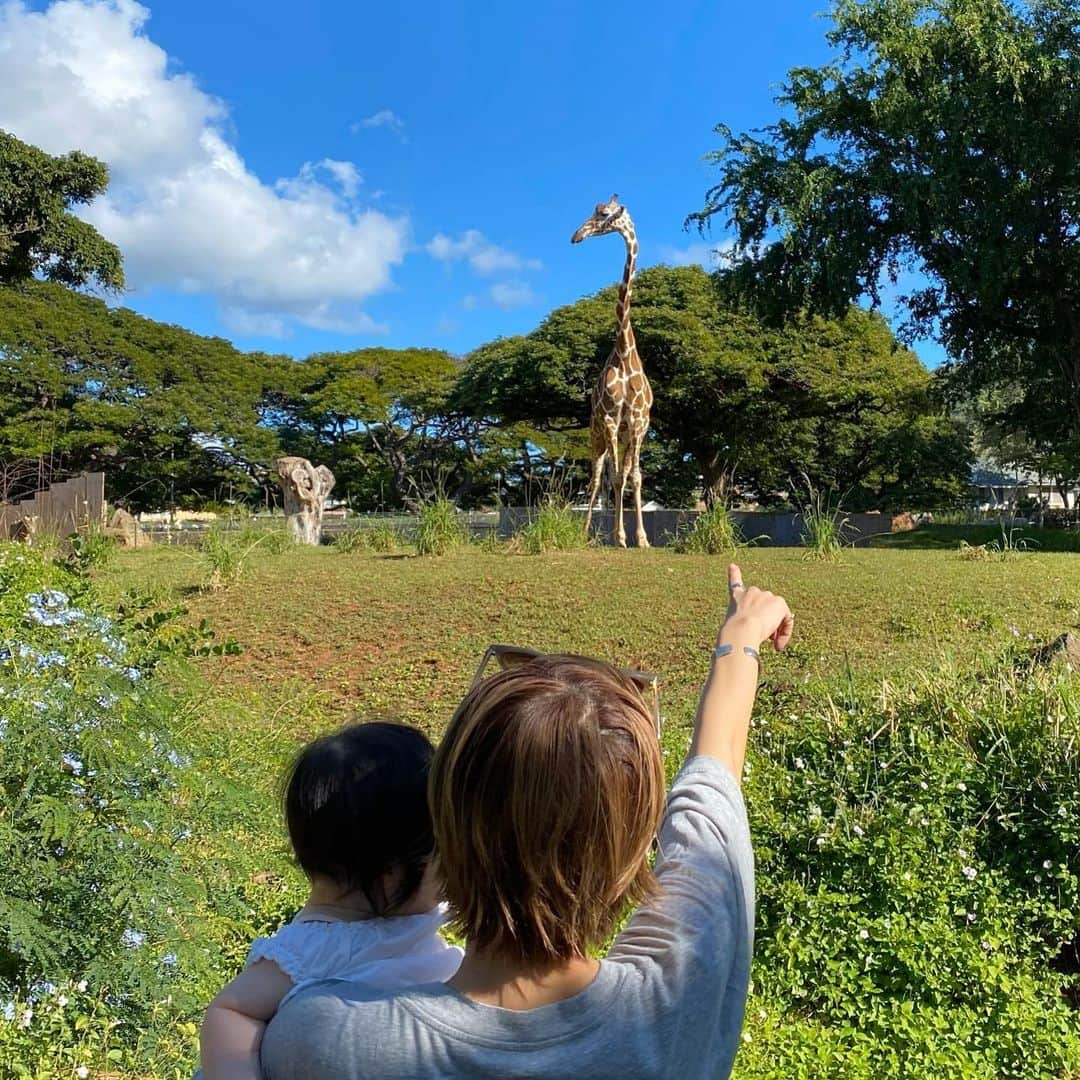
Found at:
(623, 333)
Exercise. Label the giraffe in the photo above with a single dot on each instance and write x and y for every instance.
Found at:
(622, 397)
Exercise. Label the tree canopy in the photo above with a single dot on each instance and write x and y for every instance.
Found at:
(38, 233)
(741, 408)
(737, 402)
(169, 415)
(940, 139)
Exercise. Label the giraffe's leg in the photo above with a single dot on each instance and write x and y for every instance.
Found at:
(620, 488)
(635, 479)
(599, 461)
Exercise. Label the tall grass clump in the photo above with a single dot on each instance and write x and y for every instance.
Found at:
(553, 527)
(823, 525)
(226, 553)
(379, 538)
(714, 532)
(438, 529)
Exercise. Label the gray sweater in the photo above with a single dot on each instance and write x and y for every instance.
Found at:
(668, 1000)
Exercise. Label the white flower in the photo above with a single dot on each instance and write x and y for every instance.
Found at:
(924, 785)
(82, 1072)
(799, 763)
(62, 1000)
(81, 986)
(131, 938)
(864, 934)
(962, 853)
(1047, 864)
(746, 1036)
(820, 841)
(27, 1016)
(961, 786)
(858, 830)
(969, 872)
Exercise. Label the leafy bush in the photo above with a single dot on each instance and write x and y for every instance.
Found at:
(94, 818)
(714, 532)
(114, 914)
(439, 529)
(553, 527)
(93, 547)
(918, 882)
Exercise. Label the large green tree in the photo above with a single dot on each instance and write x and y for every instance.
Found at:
(380, 419)
(738, 402)
(170, 416)
(39, 235)
(941, 139)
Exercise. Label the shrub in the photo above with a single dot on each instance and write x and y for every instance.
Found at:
(714, 532)
(94, 819)
(918, 886)
(553, 527)
(119, 915)
(439, 530)
(93, 547)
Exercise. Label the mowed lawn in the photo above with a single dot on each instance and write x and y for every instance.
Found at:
(329, 636)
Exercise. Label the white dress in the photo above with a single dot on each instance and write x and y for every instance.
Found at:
(383, 953)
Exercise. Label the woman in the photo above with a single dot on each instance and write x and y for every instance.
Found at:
(546, 794)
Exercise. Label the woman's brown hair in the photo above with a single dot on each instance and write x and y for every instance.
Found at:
(546, 792)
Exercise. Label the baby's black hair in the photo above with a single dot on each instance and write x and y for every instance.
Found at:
(356, 807)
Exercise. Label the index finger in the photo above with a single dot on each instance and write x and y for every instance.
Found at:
(734, 577)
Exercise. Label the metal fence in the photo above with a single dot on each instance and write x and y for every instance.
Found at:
(191, 531)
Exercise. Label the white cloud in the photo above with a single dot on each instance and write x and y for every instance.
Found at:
(512, 294)
(483, 256)
(345, 173)
(183, 206)
(386, 118)
(696, 254)
(470, 302)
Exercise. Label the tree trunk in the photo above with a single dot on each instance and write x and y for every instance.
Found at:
(714, 481)
(305, 489)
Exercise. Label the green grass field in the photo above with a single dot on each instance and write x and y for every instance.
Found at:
(366, 634)
(909, 781)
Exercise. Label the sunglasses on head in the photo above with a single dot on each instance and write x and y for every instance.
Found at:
(507, 656)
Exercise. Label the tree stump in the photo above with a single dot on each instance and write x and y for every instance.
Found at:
(305, 488)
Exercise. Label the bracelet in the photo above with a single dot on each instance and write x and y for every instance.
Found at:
(726, 650)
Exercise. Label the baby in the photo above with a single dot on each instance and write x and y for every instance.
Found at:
(357, 812)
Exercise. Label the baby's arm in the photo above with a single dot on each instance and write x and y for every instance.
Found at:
(233, 1028)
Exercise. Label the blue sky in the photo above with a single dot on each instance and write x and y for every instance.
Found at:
(332, 175)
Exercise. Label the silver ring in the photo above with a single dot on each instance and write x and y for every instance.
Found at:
(736, 585)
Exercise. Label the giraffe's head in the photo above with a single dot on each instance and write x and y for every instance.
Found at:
(606, 218)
